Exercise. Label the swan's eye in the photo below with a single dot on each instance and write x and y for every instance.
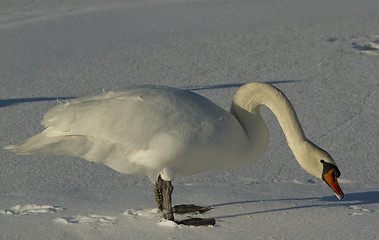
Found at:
(322, 161)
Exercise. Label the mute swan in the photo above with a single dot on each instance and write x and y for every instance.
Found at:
(163, 132)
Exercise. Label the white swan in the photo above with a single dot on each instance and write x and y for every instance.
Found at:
(164, 132)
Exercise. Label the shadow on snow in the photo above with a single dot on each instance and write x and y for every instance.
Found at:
(14, 101)
(9, 102)
(232, 85)
(351, 199)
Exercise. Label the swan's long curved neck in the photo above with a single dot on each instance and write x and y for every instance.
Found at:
(253, 95)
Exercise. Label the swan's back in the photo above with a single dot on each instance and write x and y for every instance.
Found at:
(144, 130)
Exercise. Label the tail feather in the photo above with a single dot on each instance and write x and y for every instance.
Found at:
(39, 144)
(50, 142)
(57, 142)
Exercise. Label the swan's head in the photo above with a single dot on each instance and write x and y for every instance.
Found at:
(320, 164)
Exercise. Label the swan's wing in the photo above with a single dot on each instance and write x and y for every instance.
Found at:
(136, 116)
(135, 131)
(116, 117)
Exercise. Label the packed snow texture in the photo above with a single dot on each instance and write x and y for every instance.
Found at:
(324, 55)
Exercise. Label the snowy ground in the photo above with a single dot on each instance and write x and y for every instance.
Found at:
(323, 54)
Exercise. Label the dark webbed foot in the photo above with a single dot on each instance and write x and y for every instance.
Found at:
(163, 191)
(197, 222)
(190, 209)
(193, 209)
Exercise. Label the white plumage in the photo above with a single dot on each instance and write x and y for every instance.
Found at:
(144, 130)
(168, 132)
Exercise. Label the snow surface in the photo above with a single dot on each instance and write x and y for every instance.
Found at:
(323, 55)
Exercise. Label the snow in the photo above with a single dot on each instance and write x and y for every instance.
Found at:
(30, 209)
(322, 54)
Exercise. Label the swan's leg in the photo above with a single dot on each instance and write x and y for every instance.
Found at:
(158, 192)
(167, 210)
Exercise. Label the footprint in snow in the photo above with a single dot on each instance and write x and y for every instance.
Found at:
(98, 219)
(367, 46)
(358, 211)
(147, 213)
(36, 209)
(364, 45)
(91, 219)
(30, 209)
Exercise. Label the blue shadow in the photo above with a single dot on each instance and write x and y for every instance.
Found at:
(9, 102)
(14, 101)
(232, 85)
(350, 199)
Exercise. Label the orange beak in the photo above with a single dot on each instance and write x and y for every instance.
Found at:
(331, 179)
